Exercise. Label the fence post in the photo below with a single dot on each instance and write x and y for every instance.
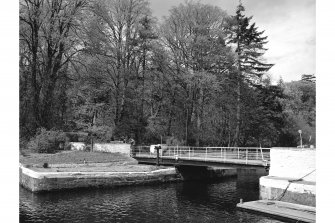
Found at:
(238, 153)
(206, 154)
(246, 156)
(262, 153)
(221, 152)
(225, 154)
(189, 153)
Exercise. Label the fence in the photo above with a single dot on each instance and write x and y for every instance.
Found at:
(243, 155)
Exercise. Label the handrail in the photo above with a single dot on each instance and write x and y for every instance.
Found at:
(243, 155)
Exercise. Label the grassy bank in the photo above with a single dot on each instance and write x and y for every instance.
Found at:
(74, 157)
(73, 161)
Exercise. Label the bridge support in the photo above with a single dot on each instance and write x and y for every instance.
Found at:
(291, 177)
(204, 172)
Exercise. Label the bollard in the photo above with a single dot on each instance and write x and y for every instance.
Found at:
(241, 201)
(157, 149)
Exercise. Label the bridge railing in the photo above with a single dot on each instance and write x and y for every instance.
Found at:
(242, 154)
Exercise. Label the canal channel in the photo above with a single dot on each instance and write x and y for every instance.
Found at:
(193, 201)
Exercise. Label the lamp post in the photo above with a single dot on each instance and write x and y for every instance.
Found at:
(300, 138)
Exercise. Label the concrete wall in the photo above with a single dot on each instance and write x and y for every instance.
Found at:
(49, 181)
(298, 192)
(112, 148)
(77, 145)
(287, 180)
(104, 147)
(293, 163)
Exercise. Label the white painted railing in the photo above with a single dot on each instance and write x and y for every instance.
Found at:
(243, 155)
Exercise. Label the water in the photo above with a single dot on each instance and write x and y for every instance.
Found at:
(172, 202)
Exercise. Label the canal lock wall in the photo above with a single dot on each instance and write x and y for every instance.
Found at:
(292, 176)
(51, 181)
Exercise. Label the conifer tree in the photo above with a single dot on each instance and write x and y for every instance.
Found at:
(249, 47)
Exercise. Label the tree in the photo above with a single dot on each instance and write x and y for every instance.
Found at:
(47, 29)
(249, 47)
(193, 34)
(299, 110)
(308, 77)
(117, 53)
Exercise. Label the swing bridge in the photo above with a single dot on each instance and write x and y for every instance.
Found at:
(237, 157)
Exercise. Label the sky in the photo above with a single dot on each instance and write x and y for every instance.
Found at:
(289, 25)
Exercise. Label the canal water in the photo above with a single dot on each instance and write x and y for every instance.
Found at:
(197, 201)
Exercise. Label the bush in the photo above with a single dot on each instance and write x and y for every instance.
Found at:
(101, 133)
(88, 148)
(46, 141)
(172, 141)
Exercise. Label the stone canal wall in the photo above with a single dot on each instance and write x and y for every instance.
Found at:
(292, 176)
(123, 148)
(49, 181)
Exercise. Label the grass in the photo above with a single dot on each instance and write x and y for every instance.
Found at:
(74, 157)
(73, 161)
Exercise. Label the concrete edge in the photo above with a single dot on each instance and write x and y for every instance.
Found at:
(284, 183)
(41, 175)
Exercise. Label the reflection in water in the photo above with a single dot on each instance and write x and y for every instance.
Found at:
(195, 201)
(248, 183)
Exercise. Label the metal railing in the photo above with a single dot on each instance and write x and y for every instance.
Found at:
(242, 155)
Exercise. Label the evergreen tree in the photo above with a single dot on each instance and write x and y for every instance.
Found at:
(249, 47)
(308, 77)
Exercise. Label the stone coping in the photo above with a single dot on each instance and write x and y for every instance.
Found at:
(40, 175)
(289, 184)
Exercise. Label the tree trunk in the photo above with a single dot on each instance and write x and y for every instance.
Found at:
(238, 114)
(35, 87)
(238, 105)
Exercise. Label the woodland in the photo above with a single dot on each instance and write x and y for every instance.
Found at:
(110, 69)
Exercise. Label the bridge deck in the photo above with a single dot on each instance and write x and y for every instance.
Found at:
(204, 156)
(205, 161)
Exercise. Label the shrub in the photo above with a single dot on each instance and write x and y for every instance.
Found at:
(101, 133)
(173, 141)
(88, 148)
(46, 141)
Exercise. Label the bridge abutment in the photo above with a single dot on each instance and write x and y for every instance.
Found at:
(291, 176)
(205, 172)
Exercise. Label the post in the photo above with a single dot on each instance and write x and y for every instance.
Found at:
(300, 138)
(189, 153)
(157, 149)
(92, 143)
(206, 154)
(238, 153)
(225, 154)
(246, 156)
(221, 153)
